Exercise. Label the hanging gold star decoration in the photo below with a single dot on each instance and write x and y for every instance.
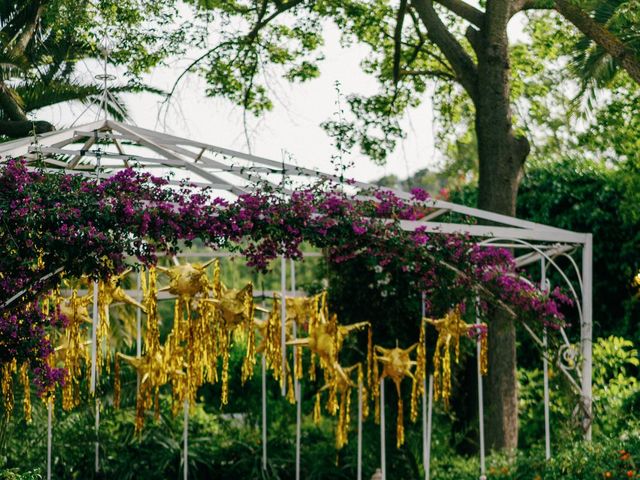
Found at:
(396, 365)
(194, 327)
(109, 292)
(325, 340)
(156, 370)
(450, 328)
(236, 310)
(340, 389)
(73, 345)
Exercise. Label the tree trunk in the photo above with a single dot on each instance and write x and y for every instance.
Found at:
(501, 158)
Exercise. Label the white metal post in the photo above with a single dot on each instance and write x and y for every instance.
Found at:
(427, 429)
(426, 407)
(94, 333)
(49, 436)
(264, 413)
(185, 441)
(545, 369)
(480, 412)
(97, 443)
(383, 436)
(359, 459)
(586, 333)
(297, 388)
(94, 373)
(283, 322)
(138, 325)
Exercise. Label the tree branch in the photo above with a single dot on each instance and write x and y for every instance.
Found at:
(24, 128)
(461, 8)
(34, 12)
(462, 64)
(10, 105)
(598, 33)
(397, 40)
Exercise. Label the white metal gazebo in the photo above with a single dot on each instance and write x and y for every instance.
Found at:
(108, 145)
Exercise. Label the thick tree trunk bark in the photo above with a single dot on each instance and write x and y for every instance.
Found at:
(501, 158)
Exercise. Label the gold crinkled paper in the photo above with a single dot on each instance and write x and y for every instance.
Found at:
(396, 365)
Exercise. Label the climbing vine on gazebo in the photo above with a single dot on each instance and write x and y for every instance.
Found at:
(57, 225)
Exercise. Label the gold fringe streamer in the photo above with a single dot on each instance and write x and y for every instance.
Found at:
(484, 352)
(317, 409)
(417, 386)
(8, 369)
(26, 389)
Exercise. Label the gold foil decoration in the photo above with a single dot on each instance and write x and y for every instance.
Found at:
(109, 292)
(450, 328)
(325, 340)
(26, 389)
(484, 351)
(339, 389)
(417, 387)
(396, 365)
(6, 383)
(73, 349)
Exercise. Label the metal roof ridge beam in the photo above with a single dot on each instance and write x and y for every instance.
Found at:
(168, 154)
(495, 231)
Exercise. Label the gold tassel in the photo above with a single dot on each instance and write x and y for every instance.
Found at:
(225, 369)
(370, 360)
(417, 386)
(298, 364)
(26, 388)
(291, 394)
(484, 352)
(8, 369)
(317, 409)
(376, 392)
(400, 422)
(250, 357)
(312, 367)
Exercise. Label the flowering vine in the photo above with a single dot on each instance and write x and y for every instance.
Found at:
(56, 224)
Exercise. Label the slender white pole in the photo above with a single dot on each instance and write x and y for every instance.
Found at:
(138, 326)
(185, 441)
(426, 409)
(480, 413)
(264, 413)
(97, 443)
(94, 334)
(359, 460)
(296, 385)
(383, 436)
(545, 370)
(49, 436)
(427, 428)
(283, 322)
(586, 333)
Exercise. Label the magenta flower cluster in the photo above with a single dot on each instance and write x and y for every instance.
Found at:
(58, 223)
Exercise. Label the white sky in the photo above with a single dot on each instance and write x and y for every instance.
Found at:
(292, 127)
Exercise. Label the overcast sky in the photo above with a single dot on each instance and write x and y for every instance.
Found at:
(292, 127)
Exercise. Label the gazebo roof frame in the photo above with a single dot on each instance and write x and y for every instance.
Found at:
(115, 145)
